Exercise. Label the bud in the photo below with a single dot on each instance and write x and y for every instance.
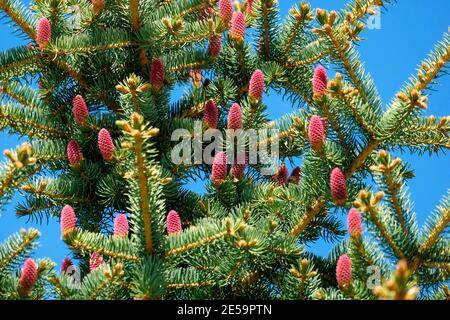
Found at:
(295, 176)
(98, 6)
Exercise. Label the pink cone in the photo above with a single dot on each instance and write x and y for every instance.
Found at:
(219, 167)
(215, 45)
(43, 33)
(211, 114)
(157, 74)
(173, 223)
(235, 117)
(316, 133)
(28, 278)
(238, 167)
(74, 153)
(354, 224)
(295, 176)
(121, 225)
(256, 87)
(105, 144)
(237, 31)
(66, 264)
(79, 109)
(338, 186)
(225, 10)
(68, 220)
(320, 81)
(344, 271)
(95, 261)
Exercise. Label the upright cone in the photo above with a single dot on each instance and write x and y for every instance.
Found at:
(79, 109)
(157, 75)
(344, 271)
(121, 226)
(219, 167)
(338, 186)
(105, 144)
(235, 117)
(320, 81)
(68, 220)
(225, 11)
(211, 114)
(173, 223)
(237, 31)
(43, 33)
(256, 87)
(74, 153)
(28, 278)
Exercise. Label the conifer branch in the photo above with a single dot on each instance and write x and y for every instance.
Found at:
(9, 9)
(143, 190)
(309, 215)
(443, 223)
(27, 237)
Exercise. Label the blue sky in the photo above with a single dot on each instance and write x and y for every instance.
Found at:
(408, 32)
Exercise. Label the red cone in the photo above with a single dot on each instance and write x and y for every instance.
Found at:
(74, 153)
(105, 144)
(237, 31)
(282, 176)
(338, 186)
(211, 114)
(344, 271)
(68, 220)
(316, 133)
(121, 225)
(157, 75)
(66, 264)
(215, 45)
(43, 33)
(295, 176)
(256, 87)
(173, 223)
(219, 167)
(235, 117)
(320, 81)
(225, 10)
(79, 109)
(28, 278)
(354, 224)
(95, 261)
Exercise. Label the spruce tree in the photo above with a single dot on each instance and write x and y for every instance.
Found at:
(93, 94)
